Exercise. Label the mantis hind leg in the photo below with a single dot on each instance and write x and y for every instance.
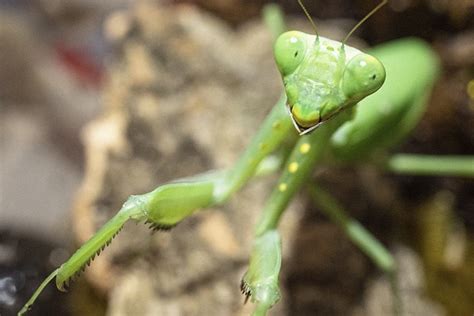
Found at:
(353, 229)
(414, 164)
(366, 242)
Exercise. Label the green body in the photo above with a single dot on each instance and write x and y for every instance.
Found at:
(385, 118)
(324, 80)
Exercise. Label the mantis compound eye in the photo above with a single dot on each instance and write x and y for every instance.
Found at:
(289, 51)
(363, 75)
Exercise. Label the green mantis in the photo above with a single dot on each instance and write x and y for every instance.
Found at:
(338, 73)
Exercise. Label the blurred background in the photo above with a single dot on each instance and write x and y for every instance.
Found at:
(103, 99)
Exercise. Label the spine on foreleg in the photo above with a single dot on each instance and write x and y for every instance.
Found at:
(92, 248)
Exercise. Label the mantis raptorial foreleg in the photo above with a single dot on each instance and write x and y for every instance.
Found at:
(276, 128)
(261, 279)
(309, 150)
(169, 204)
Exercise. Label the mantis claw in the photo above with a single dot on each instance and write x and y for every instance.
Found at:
(260, 282)
(245, 289)
(159, 227)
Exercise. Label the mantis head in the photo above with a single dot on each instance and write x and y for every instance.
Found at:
(323, 77)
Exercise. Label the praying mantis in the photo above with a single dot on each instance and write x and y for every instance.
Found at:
(327, 84)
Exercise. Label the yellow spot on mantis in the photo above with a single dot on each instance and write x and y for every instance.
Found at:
(470, 89)
(470, 93)
(282, 187)
(293, 167)
(276, 125)
(304, 148)
(262, 146)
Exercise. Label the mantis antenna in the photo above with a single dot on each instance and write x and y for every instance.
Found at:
(381, 4)
(309, 18)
